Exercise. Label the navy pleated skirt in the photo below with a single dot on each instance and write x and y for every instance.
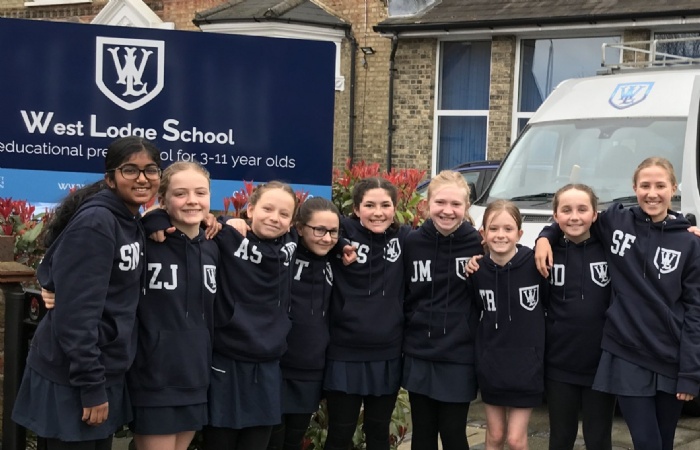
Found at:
(244, 394)
(364, 377)
(618, 376)
(169, 419)
(441, 381)
(301, 396)
(55, 411)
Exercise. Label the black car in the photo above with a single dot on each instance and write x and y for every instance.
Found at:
(478, 175)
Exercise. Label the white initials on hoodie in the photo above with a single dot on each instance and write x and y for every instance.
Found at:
(130, 254)
(557, 275)
(489, 299)
(154, 283)
(421, 271)
(621, 242)
(302, 265)
(362, 251)
(242, 252)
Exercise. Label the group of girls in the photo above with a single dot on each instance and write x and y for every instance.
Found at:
(259, 322)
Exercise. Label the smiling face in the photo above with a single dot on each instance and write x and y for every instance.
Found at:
(575, 214)
(320, 221)
(654, 188)
(187, 200)
(376, 210)
(448, 205)
(136, 192)
(271, 216)
(501, 233)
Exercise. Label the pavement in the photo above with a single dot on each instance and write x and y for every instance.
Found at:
(687, 433)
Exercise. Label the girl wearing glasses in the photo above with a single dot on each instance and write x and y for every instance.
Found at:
(317, 223)
(73, 391)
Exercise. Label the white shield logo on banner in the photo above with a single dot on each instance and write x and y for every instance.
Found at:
(130, 72)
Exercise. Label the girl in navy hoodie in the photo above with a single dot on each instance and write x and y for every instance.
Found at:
(510, 336)
(441, 318)
(651, 336)
(169, 379)
(317, 223)
(251, 322)
(366, 314)
(578, 298)
(73, 392)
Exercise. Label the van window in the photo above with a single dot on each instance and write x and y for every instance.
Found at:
(601, 153)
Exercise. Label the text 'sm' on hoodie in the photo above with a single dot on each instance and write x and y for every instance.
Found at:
(95, 267)
(441, 314)
(654, 315)
(173, 358)
(366, 311)
(510, 335)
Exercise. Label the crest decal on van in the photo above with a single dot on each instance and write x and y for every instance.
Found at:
(629, 94)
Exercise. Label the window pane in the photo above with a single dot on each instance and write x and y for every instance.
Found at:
(462, 139)
(689, 49)
(544, 63)
(466, 72)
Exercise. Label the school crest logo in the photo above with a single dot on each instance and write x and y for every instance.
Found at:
(392, 251)
(629, 94)
(288, 249)
(599, 273)
(666, 260)
(209, 274)
(329, 274)
(129, 72)
(461, 266)
(529, 297)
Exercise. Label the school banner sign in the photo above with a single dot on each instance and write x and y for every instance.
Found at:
(247, 108)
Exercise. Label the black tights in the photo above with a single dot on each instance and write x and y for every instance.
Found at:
(651, 420)
(343, 412)
(251, 438)
(98, 444)
(432, 417)
(289, 435)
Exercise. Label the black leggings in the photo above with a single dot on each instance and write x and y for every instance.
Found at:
(432, 417)
(98, 444)
(251, 438)
(343, 412)
(651, 420)
(597, 408)
(289, 435)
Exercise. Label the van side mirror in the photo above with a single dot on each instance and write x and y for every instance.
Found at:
(472, 192)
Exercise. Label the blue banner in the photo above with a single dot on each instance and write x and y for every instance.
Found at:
(247, 108)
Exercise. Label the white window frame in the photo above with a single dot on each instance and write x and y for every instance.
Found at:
(438, 113)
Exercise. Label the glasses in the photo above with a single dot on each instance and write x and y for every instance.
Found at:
(321, 231)
(132, 172)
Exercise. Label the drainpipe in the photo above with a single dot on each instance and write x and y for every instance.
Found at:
(351, 110)
(394, 46)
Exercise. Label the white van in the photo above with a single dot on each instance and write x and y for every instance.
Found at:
(596, 131)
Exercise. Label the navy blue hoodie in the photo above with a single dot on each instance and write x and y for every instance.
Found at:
(312, 283)
(173, 357)
(250, 311)
(510, 335)
(367, 302)
(654, 315)
(441, 315)
(95, 267)
(579, 295)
